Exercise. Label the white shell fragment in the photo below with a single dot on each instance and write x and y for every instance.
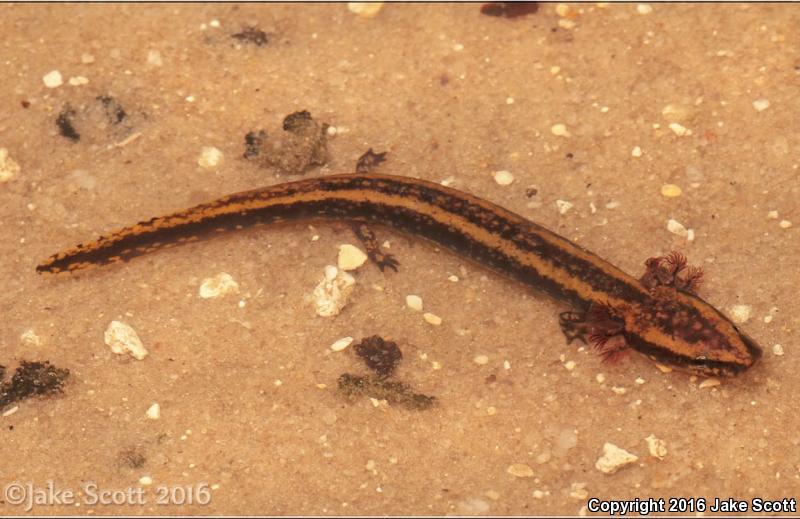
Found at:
(122, 339)
(219, 285)
(613, 459)
(154, 412)
(341, 344)
(741, 313)
(656, 446)
(8, 167)
(331, 294)
(350, 257)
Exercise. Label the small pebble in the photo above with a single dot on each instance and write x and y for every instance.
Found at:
(679, 130)
(563, 206)
(453, 278)
(365, 9)
(154, 412)
(481, 359)
(333, 292)
(657, 447)
(777, 350)
(644, 9)
(78, 81)
(350, 257)
(341, 344)
(432, 318)
(570, 365)
(675, 227)
(520, 470)
(122, 339)
(414, 302)
(636, 152)
(145, 480)
(761, 104)
(219, 285)
(772, 215)
(670, 190)
(560, 130)
(709, 382)
(53, 79)
(613, 459)
(154, 58)
(210, 157)
(29, 338)
(741, 313)
(8, 167)
(562, 9)
(9, 412)
(503, 177)
(785, 224)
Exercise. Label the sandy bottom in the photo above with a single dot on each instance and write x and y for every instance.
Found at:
(612, 120)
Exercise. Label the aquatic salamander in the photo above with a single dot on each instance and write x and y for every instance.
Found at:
(658, 315)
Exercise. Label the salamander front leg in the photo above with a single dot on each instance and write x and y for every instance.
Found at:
(671, 270)
(604, 330)
(367, 237)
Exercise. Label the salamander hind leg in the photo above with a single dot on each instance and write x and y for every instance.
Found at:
(671, 270)
(367, 237)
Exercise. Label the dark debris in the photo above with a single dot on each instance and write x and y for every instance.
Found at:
(354, 387)
(66, 126)
(509, 9)
(380, 355)
(252, 35)
(31, 379)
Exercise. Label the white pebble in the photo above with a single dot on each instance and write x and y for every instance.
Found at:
(414, 302)
(761, 104)
(636, 152)
(350, 257)
(9, 412)
(341, 344)
(785, 224)
(675, 227)
(154, 412)
(560, 130)
(365, 9)
(644, 9)
(219, 285)
(333, 292)
(741, 313)
(145, 480)
(520, 470)
(432, 318)
(154, 58)
(657, 447)
(503, 177)
(53, 79)
(613, 459)
(679, 130)
(481, 359)
(777, 350)
(122, 339)
(563, 206)
(210, 157)
(78, 81)
(772, 215)
(29, 338)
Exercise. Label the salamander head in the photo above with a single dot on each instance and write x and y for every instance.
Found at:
(688, 334)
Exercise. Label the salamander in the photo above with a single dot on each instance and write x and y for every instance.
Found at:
(658, 314)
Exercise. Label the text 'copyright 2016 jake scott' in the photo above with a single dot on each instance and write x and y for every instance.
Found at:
(682, 505)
